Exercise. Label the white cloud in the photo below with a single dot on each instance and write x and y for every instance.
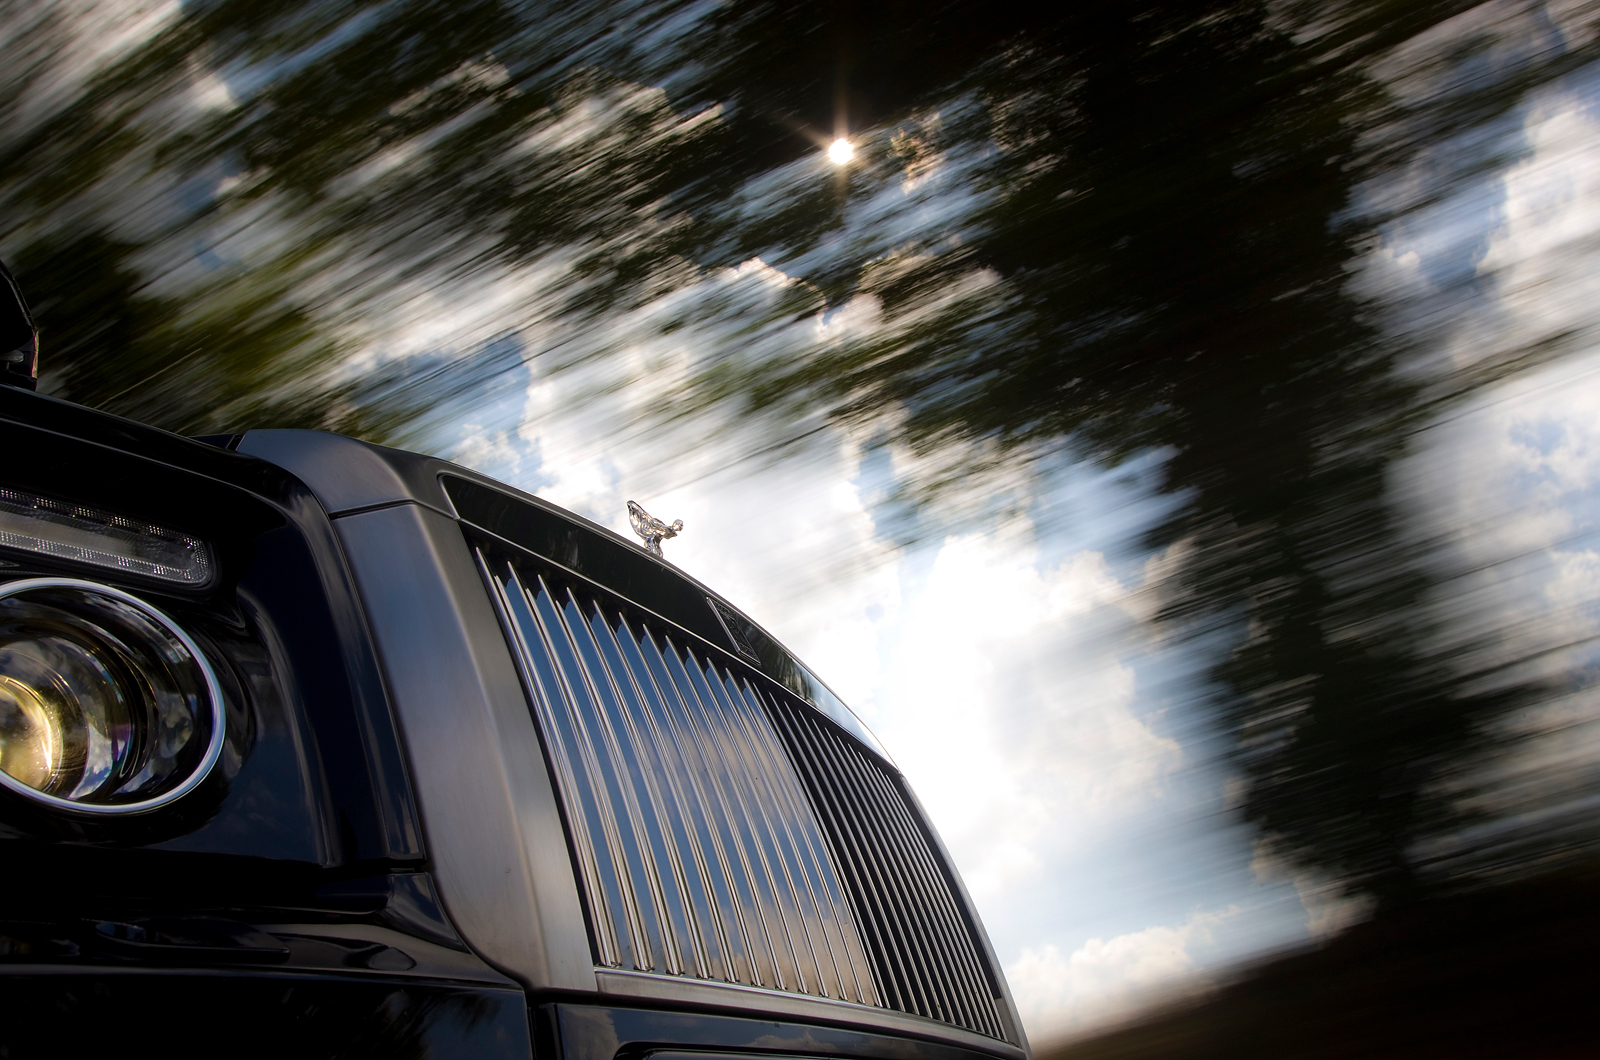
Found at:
(1008, 701)
(1105, 980)
(1509, 484)
(1511, 480)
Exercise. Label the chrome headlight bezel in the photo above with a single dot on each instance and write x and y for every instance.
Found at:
(217, 708)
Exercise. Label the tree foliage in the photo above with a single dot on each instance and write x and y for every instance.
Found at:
(1155, 255)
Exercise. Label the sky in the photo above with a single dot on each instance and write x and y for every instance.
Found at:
(1010, 668)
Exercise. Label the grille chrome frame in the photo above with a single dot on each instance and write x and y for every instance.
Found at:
(723, 831)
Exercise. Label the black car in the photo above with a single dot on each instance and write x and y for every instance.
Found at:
(311, 748)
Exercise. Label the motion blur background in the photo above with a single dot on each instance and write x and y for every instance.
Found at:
(1173, 428)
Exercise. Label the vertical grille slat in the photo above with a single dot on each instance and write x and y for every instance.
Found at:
(909, 908)
(695, 920)
(723, 830)
(857, 817)
(892, 980)
(928, 960)
(670, 836)
(755, 906)
(758, 805)
(936, 945)
(802, 850)
(715, 835)
(972, 981)
(614, 821)
(646, 853)
(579, 797)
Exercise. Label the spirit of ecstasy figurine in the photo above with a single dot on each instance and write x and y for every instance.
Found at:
(653, 530)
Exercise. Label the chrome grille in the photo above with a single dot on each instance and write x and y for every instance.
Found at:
(696, 844)
(721, 829)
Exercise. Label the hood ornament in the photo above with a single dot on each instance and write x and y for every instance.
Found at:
(653, 530)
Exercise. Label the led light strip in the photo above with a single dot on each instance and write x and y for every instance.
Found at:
(102, 539)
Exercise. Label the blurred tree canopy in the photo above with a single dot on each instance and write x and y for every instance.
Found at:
(1174, 216)
(1165, 203)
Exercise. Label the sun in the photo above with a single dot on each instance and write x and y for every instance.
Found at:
(840, 151)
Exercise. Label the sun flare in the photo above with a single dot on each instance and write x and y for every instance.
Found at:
(840, 151)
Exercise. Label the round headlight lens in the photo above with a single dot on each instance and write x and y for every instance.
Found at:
(106, 706)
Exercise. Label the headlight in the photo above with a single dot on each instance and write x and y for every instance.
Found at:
(106, 706)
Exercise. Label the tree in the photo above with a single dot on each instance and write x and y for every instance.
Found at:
(1153, 257)
(1173, 217)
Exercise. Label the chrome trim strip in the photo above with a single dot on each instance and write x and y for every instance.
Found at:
(219, 713)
